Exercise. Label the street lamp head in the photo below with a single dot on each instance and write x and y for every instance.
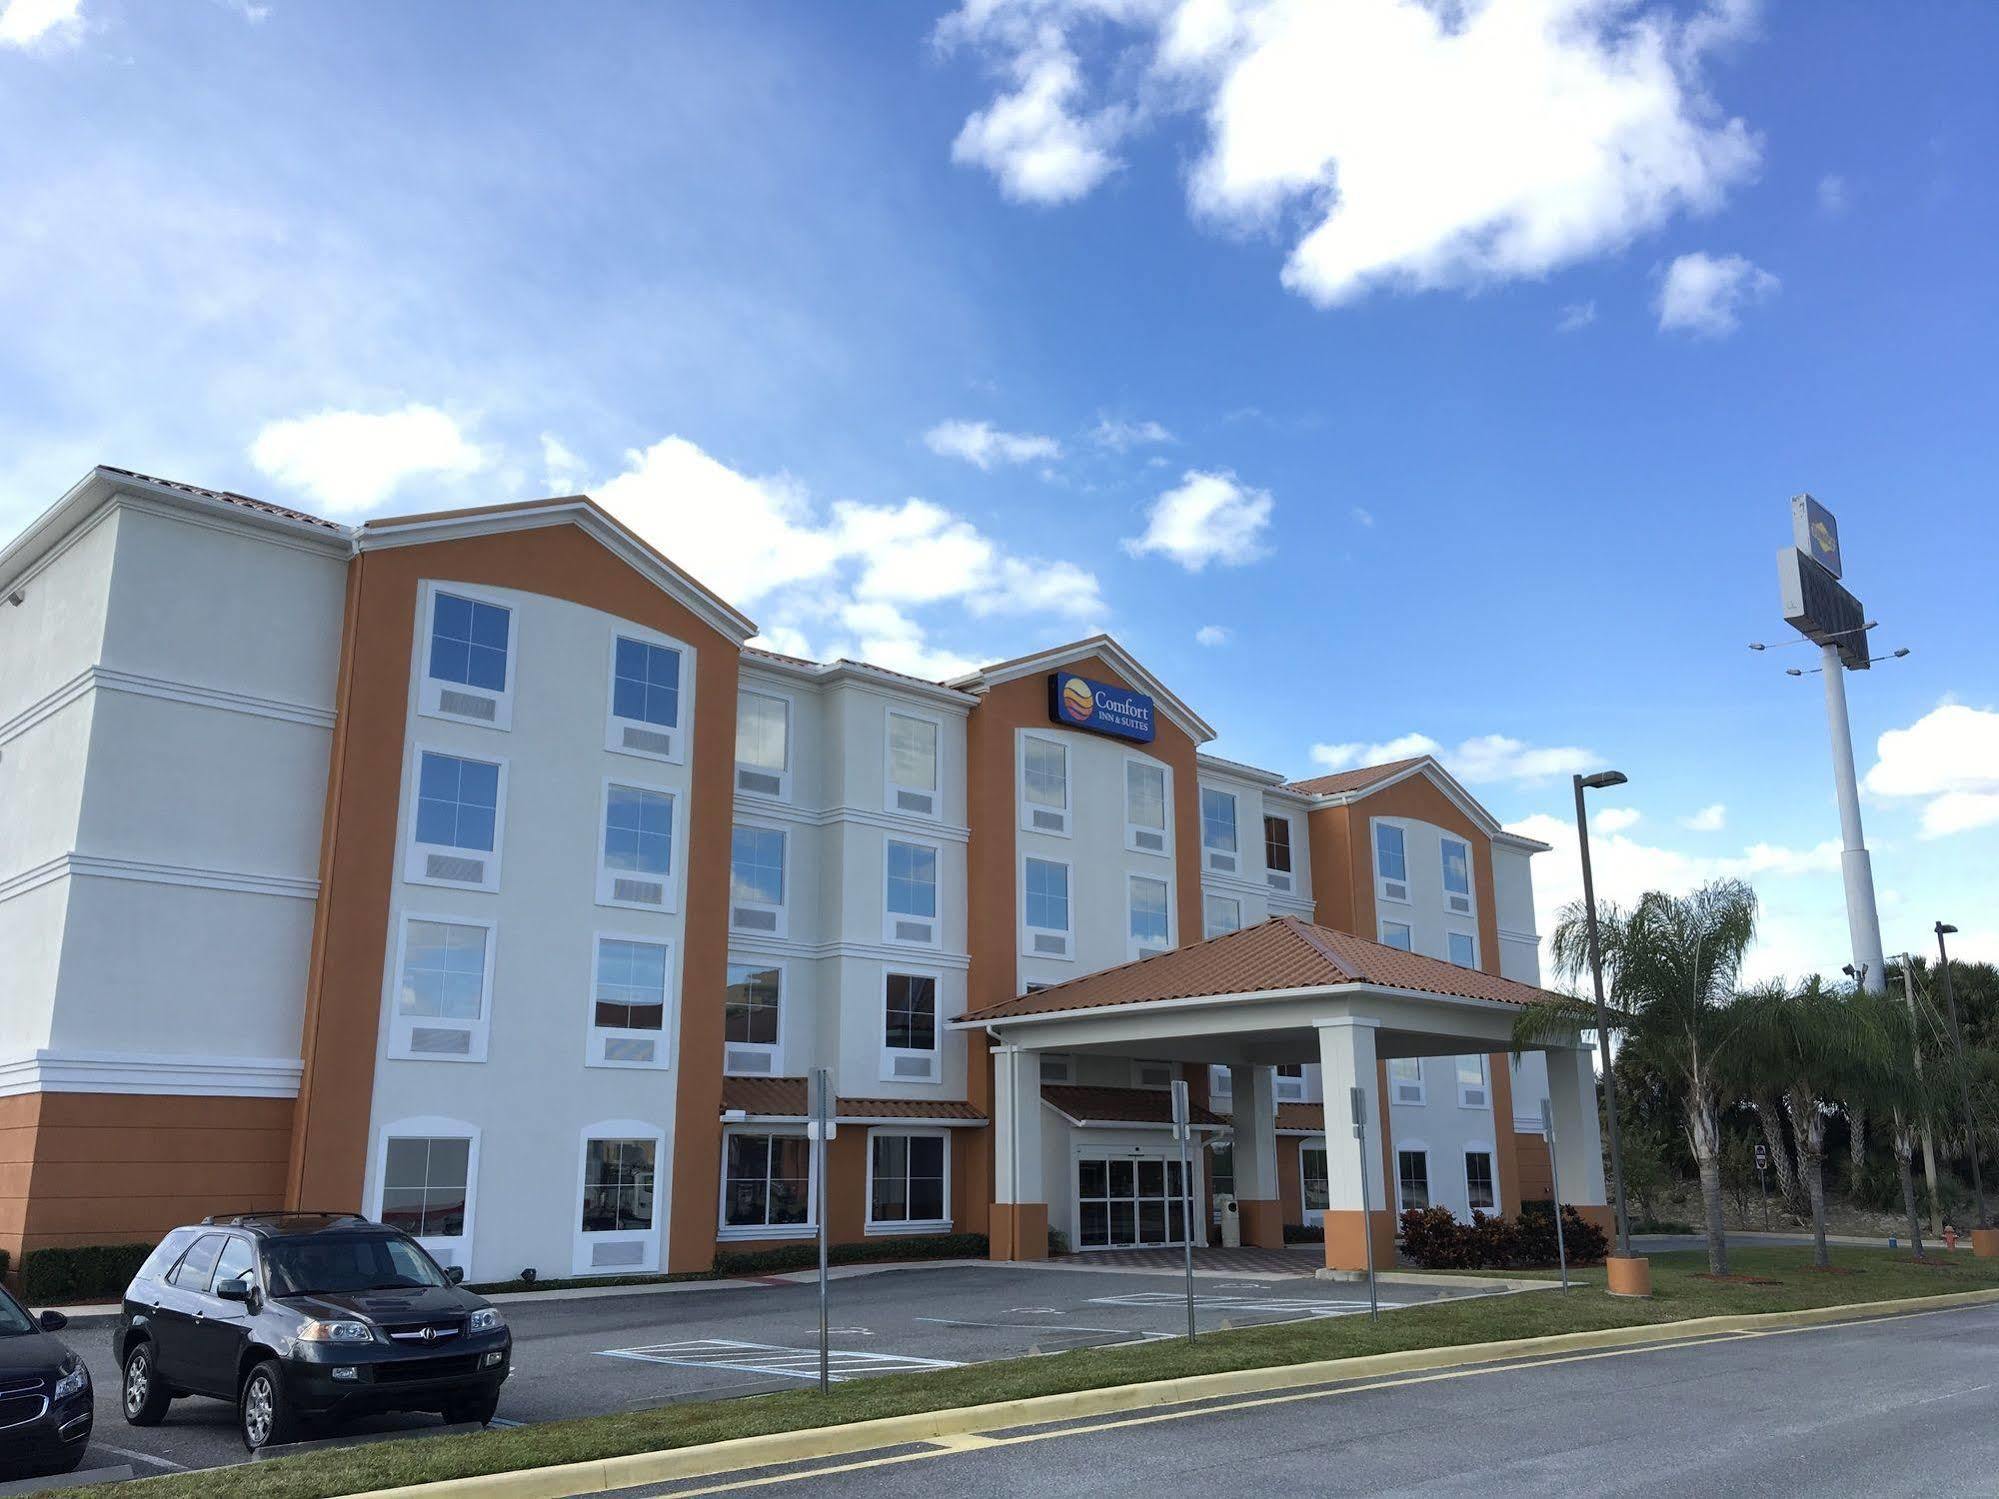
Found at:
(1605, 778)
(1945, 929)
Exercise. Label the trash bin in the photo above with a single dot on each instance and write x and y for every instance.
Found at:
(1231, 1220)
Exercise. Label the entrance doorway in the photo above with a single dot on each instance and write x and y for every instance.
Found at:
(1129, 1199)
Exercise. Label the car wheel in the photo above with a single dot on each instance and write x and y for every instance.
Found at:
(146, 1396)
(264, 1413)
(478, 1410)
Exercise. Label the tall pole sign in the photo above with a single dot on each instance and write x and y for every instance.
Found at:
(1817, 605)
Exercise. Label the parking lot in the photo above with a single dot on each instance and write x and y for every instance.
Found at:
(707, 1340)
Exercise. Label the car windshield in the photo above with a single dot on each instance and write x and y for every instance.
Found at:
(14, 1318)
(375, 1262)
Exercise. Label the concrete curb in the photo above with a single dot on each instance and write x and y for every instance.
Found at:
(602, 1475)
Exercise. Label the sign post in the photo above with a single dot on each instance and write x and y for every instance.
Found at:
(819, 1125)
(1762, 1183)
(1358, 1097)
(1555, 1182)
(1182, 1130)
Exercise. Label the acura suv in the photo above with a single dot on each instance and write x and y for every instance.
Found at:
(45, 1398)
(299, 1318)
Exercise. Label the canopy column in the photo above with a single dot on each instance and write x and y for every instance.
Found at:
(1577, 1147)
(1353, 1167)
(1018, 1225)
(1254, 1090)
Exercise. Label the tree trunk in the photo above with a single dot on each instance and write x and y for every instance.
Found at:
(1704, 1135)
(1808, 1123)
(1856, 1144)
(1904, 1145)
(1771, 1117)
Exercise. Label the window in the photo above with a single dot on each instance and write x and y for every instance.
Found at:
(1396, 934)
(443, 981)
(907, 1181)
(1044, 785)
(912, 764)
(766, 1184)
(238, 1259)
(637, 864)
(426, 1185)
(1221, 1082)
(1457, 877)
(1290, 1082)
(645, 699)
(618, 1185)
(910, 900)
(1313, 1181)
(1277, 852)
(1221, 1170)
(467, 675)
(1412, 1178)
(1045, 908)
(910, 1030)
(751, 1011)
(629, 1004)
(1480, 1193)
(1391, 863)
(1057, 1067)
(1464, 949)
(1405, 1076)
(1152, 1074)
(1151, 926)
(756, 879)
(1145, 824)
(195, 1267)
(1220, 914)
(763, 744)
(1472, 1093)
(1218, 829)
(456, 827)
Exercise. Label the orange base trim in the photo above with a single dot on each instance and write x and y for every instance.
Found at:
(1346, 1242)
(1017, 1231)
(1262, 1222)
(1629, 1277)
(1985, 1243)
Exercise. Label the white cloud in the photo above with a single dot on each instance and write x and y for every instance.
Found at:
(1710, 819)
(24, 23)
(1362, 515)
(1420, 146)
(847, 575)
(1119, 435)
(1211, 517)
(1704, 294)
(1616, 819)
(1576, 316)
(562, 470)
(1485, 758)
(1211, 635)
(984, 444)
(347, 462)
(1948, 759)
(1832, 195)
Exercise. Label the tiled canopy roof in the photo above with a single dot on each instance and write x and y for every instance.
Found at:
(1358, 779)
(1121, 1105)
(785, 1098)
(1302, 1117)
(1285, 953)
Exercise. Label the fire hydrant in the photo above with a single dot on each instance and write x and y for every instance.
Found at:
(1950, 1238)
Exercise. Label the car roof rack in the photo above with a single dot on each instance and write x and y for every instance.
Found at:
(276, 1217)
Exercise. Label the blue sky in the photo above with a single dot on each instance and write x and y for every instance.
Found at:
(1452, 375)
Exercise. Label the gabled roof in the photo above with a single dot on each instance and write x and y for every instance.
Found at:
(1113, 655)
(785, 1098)
(1283, 954)
(846, 667)
(1362, 778)
(1081, 1105)
(226, 496)
(1363, 781)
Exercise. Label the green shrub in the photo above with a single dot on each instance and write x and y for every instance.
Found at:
(86, 1272)
(1434, 1239)
(5, 1261)
(1304, 1233)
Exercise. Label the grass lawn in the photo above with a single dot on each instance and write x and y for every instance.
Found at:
(1679, 1292)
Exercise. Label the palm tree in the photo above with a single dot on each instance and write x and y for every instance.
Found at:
(1670, 965)
(1914, 1083)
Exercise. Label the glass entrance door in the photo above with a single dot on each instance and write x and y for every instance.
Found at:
(1130, 1200)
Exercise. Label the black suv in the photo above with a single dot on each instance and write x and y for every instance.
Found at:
(45, 1397)
(298, 1317)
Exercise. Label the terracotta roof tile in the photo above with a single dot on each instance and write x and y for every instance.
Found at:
(228, 497)
(1120, 1105)
(1357, 779)
(1284, 953)
(785, 1098)
(1302, 1116)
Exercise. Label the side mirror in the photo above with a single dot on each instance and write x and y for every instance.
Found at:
(241, 1288)
(456, 1275)
(52, 1321)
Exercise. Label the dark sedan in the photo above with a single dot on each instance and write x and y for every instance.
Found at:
(44, 1394)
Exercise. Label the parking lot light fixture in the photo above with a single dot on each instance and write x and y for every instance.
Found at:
(1598, 782)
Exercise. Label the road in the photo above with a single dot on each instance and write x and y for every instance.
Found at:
(706, 1341)
(1899, 1406)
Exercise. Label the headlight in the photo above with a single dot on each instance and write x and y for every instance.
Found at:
(73, 1383)
(336, 1332)
(485, 1320)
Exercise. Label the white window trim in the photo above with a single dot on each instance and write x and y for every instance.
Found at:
(1279, 1082)
(1131, 884)
(1028, 931)
(1313, 1216)
(934, 1053)
(615, 726)
(662, 1170)
(889, 918)
(1208, 852)
(724, 1230)
(1027, 808)
(446, 1250)
(1208, 927)
(892, 787)
(1066, 1061)
(1406, 926)
(1485, 1066)
(1221, 1081)
(1382, 883)
(429, 688)
(910, 1225)
(1422, 1084)
(400, 1025)
(1138, 1066)
(676, 845)
(1133, 829)
(757, 905)
(783, 792)
(1471, 936)
(774, 1050)
(1484, 1148)
(1411, 1147)
(595, 1035)
(1285, 880)
(1444, 891)
(415, 852)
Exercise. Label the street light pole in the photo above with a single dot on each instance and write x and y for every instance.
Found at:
(1963, 1082)
(1929, 1138)
(1594, 783)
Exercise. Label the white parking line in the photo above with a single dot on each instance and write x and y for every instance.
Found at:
(773, 1359)
(139, 1457)
(1312, 1306)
